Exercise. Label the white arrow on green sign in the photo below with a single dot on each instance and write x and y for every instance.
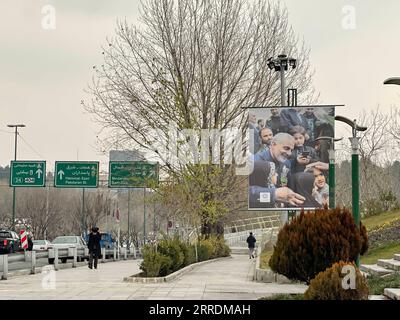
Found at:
(28, 174)
(76, 174)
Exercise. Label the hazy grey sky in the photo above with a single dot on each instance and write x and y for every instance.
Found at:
(43, 73)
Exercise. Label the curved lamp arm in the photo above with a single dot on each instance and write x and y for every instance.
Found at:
(350, 123)
(392, 81)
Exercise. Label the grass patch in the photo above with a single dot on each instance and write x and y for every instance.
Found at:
(377, 220)
(378, 284)
(264, 258)
(284, 297)
(385, 251)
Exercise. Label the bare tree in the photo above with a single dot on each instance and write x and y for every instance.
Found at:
(375, 149)
(193, 65)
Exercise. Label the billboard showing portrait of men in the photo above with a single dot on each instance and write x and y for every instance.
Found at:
(290, 168)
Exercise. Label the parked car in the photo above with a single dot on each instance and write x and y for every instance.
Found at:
(9, 242)
(107, 241)
(66, 242)
(41, 245)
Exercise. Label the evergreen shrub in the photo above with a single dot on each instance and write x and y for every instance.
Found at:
(313, 241)
(328, 285)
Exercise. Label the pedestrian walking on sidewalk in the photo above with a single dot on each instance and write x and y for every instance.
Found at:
(251, 242)
(94, 247)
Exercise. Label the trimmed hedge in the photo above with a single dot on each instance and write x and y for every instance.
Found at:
(154, 263)
(172, 254)
(313, 241)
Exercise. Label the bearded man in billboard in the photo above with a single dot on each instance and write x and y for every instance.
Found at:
(263, 194)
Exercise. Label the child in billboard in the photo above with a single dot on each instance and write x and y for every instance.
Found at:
(302, 154)
(321, 188)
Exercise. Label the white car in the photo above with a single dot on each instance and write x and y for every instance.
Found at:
(67, 242)
(41, 245)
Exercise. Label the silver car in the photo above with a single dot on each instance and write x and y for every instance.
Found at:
(68, 242)
(41, 245)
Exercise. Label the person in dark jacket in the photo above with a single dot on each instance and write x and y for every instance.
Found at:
(30, 243)
(251, 242)
(293, 117)
(276, 123)
(94, 247)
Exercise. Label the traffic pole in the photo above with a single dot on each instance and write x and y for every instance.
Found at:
(15, 159)
(144, 215)
(83, 212)
(129, 207)
(355, 186)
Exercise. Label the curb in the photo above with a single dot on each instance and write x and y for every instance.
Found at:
(267, 275)
(61, 266)
(172, 276)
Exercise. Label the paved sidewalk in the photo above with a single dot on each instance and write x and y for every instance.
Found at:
(230, 278)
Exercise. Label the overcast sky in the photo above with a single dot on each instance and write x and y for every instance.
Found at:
(43, 73)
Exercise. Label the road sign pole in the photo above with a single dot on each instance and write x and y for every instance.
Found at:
(144, 215)
(15, 159)
(83, 212)
(13, 211)
(129, 213)
(47, 211)
(154, 216)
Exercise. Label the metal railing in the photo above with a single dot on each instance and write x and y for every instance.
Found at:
(250, 224)
(29, 259)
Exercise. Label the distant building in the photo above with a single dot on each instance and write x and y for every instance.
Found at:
(4, 173)
(126, 155)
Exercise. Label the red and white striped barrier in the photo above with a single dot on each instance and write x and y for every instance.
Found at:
(24, 239)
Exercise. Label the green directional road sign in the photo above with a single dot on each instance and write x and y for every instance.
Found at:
(76, 174)
(28, 174)
(132, 174)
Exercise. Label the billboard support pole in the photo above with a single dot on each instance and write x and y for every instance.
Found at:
(331, 177)
(283, 102)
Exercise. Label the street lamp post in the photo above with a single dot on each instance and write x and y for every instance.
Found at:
(331, 177)
(355, 179)
(16, 126)
(282, 64)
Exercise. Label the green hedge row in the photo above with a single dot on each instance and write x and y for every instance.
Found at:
(172, 254)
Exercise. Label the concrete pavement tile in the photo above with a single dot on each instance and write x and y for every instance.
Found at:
(195, 291)
(118, 298)
(138, 298)
(228, 296)
(160, 293)
(193, 297)
(177, 293)
(225, 279)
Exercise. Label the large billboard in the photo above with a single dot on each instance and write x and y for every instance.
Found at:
(290, 167)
